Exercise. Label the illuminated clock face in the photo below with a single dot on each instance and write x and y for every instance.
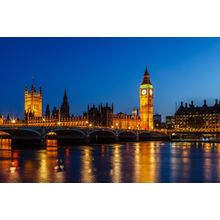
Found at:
(144, 92)
(151, 92)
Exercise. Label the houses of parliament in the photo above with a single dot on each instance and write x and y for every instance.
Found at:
(95, 116)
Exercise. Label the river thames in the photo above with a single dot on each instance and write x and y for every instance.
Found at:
(145, 162)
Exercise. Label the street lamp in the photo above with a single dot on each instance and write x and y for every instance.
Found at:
(87, 123)
(13, 121)
(116, 125)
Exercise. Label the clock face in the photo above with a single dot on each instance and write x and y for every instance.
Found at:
(144, 92)
(151, 92)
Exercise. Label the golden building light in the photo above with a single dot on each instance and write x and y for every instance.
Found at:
(34, 117)
(33, 102)
(146, 102)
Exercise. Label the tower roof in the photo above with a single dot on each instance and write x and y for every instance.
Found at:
(146, 77)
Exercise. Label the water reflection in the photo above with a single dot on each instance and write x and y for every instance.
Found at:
(43, 168)
(146, 162)
(137, 163)
(185, 163)
(133, 162)
(115, 172)
(174, 162)
(9, 165)
(87, 166)
(207, 162)
(218, 162)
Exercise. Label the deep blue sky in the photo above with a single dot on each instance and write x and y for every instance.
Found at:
(100, 70)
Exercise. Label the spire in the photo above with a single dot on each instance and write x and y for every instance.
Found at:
(146, 71)
(65, 94)
(65, 108)
(146, 77)
(47, 113)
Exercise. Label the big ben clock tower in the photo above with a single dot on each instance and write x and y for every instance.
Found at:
(146, 103)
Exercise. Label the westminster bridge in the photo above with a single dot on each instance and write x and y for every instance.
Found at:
(41, 136)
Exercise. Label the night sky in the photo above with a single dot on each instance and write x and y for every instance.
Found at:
(100, 70)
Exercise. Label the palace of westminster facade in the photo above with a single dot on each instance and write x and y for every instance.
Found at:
(186, 118)
(101, 116)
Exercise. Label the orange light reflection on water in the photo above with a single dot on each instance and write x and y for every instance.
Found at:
(9, 165)
(43, 169)
(115, 172)
(146, 162)
(87, 166)
(207, 162)
(218, 161)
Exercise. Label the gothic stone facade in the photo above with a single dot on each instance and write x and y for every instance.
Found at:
(33, 103)
(101, 116)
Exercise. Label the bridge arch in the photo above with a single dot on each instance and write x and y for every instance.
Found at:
(66, 131)
(145, 135)
(23, 137)
(67, 136)
(127, 132)
(99, 131)
(145, 132)
(4, 134)
(127, 136)
(102, 136)
(21, 132)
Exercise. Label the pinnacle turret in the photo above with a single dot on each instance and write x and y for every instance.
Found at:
(65, 108)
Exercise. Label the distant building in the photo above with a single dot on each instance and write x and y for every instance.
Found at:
(190, 117)
(157, 121)
(158, 118)
(135, 112)
(101, 115)
(33, 103)
(125, 121)
(170, 122)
